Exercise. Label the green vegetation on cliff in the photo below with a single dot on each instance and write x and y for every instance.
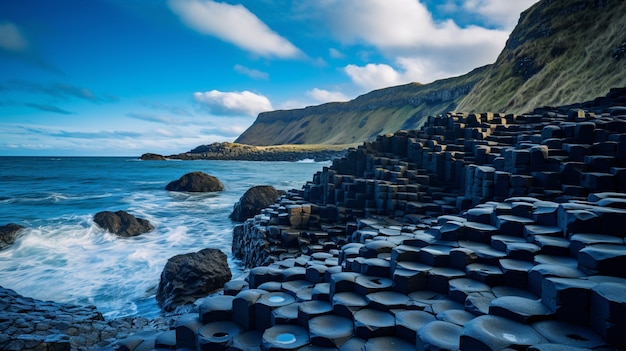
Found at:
(378, 112)
(561, 52)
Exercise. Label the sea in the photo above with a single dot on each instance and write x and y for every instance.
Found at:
(63, 256)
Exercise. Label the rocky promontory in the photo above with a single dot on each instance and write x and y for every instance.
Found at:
(235, 151)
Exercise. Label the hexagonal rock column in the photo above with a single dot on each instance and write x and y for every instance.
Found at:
(497, 333)
(608, 303)
(285, 337)
(438, 335)
(371, 323)
(216, 335)
(330, 330)
(265, 304)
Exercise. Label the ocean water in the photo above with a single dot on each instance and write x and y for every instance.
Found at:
(64, 257)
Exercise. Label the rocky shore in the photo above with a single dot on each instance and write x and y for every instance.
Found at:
(234, 151)
(476, 232)
(29, 324)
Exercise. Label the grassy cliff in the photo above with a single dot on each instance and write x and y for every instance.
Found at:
(561, 51)
(378, 112)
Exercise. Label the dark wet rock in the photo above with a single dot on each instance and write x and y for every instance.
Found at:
(30, 324)
(196, 182)
(190, 276)
(122, 223)
(8, 234)
(152, 157)
(254, 200)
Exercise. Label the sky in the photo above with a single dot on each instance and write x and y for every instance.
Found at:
(122, 78)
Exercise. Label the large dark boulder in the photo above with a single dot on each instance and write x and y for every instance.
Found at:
(8, 234)
(190, 276)
(152, 157)
(122, 223)
(196, 182)
(254, 200)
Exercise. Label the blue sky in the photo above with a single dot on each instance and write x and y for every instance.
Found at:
(121, 78)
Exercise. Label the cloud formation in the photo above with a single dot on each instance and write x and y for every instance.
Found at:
(59, 90)
(48, 108)
(250, 72)
(234, 24)
(233, 103)
(12, 39)
(323, 96)
(504, 14)
(415, 45)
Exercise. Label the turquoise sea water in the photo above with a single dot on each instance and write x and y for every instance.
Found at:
(63, 256)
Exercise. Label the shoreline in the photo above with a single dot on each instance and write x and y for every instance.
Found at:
(241, 152)
(416, 221)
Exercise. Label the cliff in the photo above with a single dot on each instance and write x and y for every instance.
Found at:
(561, 51)
(378, 112)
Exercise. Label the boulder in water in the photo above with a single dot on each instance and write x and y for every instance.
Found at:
(152, 157)
(196, 182)
(122, 223)
(190, 276)
(8, 234)
(254, 200)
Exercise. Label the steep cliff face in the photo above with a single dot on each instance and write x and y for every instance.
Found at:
(378, 112)
(561, 51)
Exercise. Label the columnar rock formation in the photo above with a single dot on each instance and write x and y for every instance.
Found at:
(477, 232)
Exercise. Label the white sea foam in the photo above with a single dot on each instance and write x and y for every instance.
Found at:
(63, 256)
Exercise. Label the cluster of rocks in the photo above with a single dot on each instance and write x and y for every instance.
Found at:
(29, 324)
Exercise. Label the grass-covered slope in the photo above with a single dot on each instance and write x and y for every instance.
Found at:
(561, 51)
(378, 112)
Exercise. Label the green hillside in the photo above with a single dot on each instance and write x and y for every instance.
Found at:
(378, 112)
(561, 51)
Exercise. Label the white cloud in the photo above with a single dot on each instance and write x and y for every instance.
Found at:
(322, 96)
(11, 39)
(373, 76)
(234, 24)
(250, 72)
(415, 45)
(501, 13)
(233, 103)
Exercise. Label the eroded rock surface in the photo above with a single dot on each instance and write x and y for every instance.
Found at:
(254, 200)
(190, 276)
(8, 234)
(122, 223)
